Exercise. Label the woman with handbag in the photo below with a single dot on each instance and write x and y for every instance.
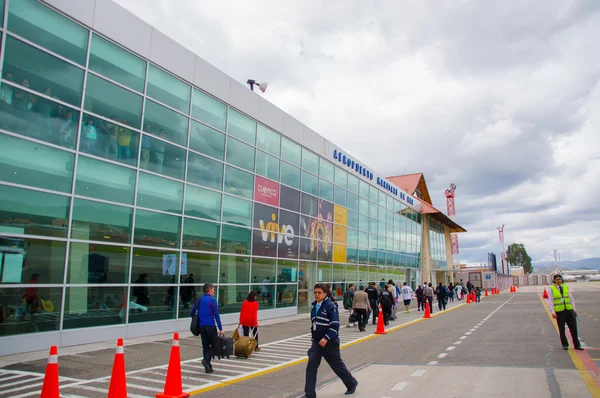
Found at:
(249, 317)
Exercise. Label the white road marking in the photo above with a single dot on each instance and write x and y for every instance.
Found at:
(468, 333)
(458, 342)
(418, 373)
(472, 330)
(432, 363)
(463, 337)
(442, 355)
(450, 348)
(400, 386)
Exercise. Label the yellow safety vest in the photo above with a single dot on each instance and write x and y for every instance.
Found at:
(561, 301)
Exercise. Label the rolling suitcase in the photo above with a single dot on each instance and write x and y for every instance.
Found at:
(245, 345)
(222, 347)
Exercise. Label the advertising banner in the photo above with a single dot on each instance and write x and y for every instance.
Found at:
(266, 191)
(340, 218)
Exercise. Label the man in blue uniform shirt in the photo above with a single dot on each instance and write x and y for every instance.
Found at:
(325, 343)
(209, 320)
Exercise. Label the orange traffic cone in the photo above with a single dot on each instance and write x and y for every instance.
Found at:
(173, 387)
(427, 314)
(380, 325)
(468, 298)
(486, 292)
(118, 383)
(50, 387)
(545, 293)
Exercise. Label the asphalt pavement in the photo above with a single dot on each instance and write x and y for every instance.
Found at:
(507, 345)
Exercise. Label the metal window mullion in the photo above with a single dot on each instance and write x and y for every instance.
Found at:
(37, 141)
(74, 181)
(3, 44)
(222, 200)
(116, 83)
(32, 188)
(50, 52)
(39, 94)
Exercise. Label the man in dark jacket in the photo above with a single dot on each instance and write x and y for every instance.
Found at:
(373, 296)
(387, 302)
(325, 321)
(420, 302)
(441, 296)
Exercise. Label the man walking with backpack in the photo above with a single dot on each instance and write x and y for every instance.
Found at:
(208, 320)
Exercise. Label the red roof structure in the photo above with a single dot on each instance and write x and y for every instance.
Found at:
(412, 183)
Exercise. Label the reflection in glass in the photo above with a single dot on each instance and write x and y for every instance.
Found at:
(91, 306)
(310, 161)
(323, 272)
(238, 182)
(106, 139)
(231, 298)
(46, 121)
(203, 266)
(33, 213)
(267, 166)
(92, 263)
(263, 268)
(268, 140)
(235, 240)
(162, 158)
(154, 266)
(326, 190)
(240, 154)
(200, 235)
(159, 193)
(310, 183)
(92, 181)
(117, 64)
(207, 141)
(326, 170)
(287, 271)
(241, 126)
(352, 184)
(205, 171)
(168, 89)
(341, 177)
(286, 295)
(31, 261)
(290, 151)
(234, 269)
(237, 211)
(112, 102)
(340, 196)
(156, 229)
(31, 310)
(290, 175)
(101, 222)
(29, 163)
(151, 303)
(202, 203)
(209, 110)
(165, 123)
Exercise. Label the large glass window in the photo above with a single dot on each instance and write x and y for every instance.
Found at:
(117, 64)
(33, 21)
(326, 190)
(31, 261)
(364, 189)
(263, 268)
(91, 306)
(208, 141)
(165, 123)
(290, 175)
(235, 269)
(39, 71)
(341, 177)
(290, 151)
(326, 170)
(373, 194)
(241, 126)
(232, 297)
(159, 193)
(363, 206)
(352, 219)
(340, 196)
(240, 154)
(209, 110)
(108, 140)
(235, 240)
(310, 183)
(29, 163)
(152, 303)
(37, 117)
(162, 158)
(200, 235)
(268, 140)
(33, 213)
(113, 102)
(101, 222)
(353, 184)
(103, 180)
(154, 266)
(92, 263)
(168, 89)
(27, 313)
(267, 166)
(238, 182)
(237, 211)
(352, 201)
(205, 171)
(310, 161)
(156, 229)
(203, 266)
(202, 203)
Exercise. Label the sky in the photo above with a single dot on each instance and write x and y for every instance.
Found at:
(500, 98)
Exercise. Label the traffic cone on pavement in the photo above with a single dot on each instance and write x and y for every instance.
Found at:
(427, 314)
(380, 325)
(118, 384)
(173, 387)
(486, 292)
(473, 297)
(50, 387)
(545, 293)
(468, 298)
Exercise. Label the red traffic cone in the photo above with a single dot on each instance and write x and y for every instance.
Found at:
(427, 314)
(380, 325)
(118, 383)
(545, 293)
(486, 292)
(173, 387)
(468, 298)
(50, 387)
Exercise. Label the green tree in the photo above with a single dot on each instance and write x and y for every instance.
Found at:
(517, 256)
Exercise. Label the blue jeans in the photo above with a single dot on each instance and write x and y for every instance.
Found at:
(124, 153)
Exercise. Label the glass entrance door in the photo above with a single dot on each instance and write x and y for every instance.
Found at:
(306, 274)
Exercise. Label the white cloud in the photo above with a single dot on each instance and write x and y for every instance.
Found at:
(500, 98)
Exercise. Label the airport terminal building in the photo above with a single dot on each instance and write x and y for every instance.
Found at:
(132, 172)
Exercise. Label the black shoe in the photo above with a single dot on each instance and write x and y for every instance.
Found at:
(207, 367)
(579, 348)
(565, 347)
(352, 390)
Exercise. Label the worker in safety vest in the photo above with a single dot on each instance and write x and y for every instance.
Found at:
(562, 306)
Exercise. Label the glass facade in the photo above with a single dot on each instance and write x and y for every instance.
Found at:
(118, 201)
(437, 245)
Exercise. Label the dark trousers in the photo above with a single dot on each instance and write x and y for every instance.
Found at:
(568, 317)
(387, 313)
(254, 330)
(442, 304)
(375, 311)
(208, 334)
(361, 318)
(420, 304)
(430, 300)
(331, 353)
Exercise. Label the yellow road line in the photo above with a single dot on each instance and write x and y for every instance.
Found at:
(302, 360)
(583, 371)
